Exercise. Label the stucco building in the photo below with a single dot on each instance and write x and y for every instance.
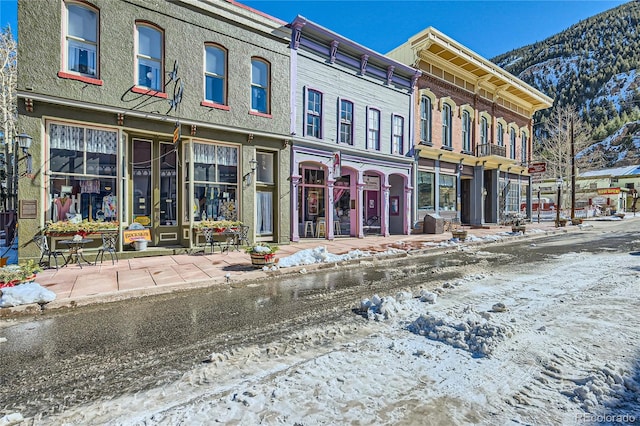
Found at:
(163, 115)
(473, 131)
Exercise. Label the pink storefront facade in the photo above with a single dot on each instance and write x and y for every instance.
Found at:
(352, 194)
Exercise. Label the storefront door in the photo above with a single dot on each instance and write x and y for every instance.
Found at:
(154, 189)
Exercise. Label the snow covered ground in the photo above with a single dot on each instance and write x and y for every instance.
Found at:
(552, 345)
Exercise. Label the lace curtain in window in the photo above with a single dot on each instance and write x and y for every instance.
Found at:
(204, 153)
(102, 141)
(66, 137)
(227, 156)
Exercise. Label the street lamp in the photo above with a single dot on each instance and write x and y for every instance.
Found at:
(22, 141)
(559, 183)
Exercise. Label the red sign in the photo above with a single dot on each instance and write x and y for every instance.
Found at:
(537, 168)
(608, 191)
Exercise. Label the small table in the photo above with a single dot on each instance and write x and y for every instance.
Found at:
(76, 250)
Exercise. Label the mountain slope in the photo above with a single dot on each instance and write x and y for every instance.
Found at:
(593, 65)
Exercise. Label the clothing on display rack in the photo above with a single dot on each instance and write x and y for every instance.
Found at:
(62, 206)
(109, 207)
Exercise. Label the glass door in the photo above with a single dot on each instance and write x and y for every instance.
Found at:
(141, 176)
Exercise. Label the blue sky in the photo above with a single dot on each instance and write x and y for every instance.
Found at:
(485, 26)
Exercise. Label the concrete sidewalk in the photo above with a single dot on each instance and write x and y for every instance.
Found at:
(161, 274)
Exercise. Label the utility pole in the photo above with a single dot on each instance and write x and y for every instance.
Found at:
(573, 172)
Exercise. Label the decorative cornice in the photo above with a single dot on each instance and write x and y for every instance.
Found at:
(390, 69)
(364, 59)
(333, 51)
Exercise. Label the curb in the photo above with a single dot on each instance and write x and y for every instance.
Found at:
(255, 276)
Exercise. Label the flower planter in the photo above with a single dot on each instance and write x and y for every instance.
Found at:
(259, 260)
(576, 221)
(518, 228)
(14, 283)
(461, 235)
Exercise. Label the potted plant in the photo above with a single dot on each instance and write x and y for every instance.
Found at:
(217, 225)
(459, 233)
(518, 223)
(12, 275)
(262, 254)
(65, 227)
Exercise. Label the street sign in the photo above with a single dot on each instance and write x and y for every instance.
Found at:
(537, 168)
(176, 133)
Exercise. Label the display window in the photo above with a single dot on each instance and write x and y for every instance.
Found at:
(215, 182)
(448, 191)
(82, 171)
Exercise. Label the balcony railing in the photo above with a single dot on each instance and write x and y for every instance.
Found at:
(489, 149)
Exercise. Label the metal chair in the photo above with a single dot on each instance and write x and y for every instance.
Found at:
(243, 235)
(43, 245)
(210, 240)
(109, 242)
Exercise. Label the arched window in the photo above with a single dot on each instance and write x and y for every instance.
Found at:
(446, 125)
(260, 90)
(523, 147)
(512, 151)
(215, 74)
(81, 40)
(466, 131)
(425, 120)
(500, 134)
(484, 130)
(149, 57)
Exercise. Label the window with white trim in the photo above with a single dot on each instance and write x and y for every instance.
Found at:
(81, 39)
(425, 120)
(512, 151)
(466, 131)
(346, 122)
(523, 148)
(314, 114)
(500, 135)
(215, 74)
(260, 91)
(373, 129)
(82, 169)
(397, 139)
(215, 181)
(484, 130)
(149, 57)
(446, 125)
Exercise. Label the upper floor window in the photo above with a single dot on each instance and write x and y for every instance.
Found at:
(149, 57)
(314, 114)
(512, 151)
(82, 40)
(397, 141)
(466, 131)
(446, 125)
(373, 129)
(260, 78)
(215, 75)
(346, 122)
(500, 135)
(523, 147)
(425, 120)
(484, 130)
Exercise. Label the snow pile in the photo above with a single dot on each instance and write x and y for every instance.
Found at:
(24, 294)
(318, 255)
(383, 308)
(467, 330)
(428, 297)
(604, 387)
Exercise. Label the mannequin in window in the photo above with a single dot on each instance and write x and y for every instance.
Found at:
(63, 206)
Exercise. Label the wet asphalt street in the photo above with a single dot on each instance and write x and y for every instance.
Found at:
(64, 358)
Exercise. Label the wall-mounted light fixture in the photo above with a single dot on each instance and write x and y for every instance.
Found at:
(253, 164)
